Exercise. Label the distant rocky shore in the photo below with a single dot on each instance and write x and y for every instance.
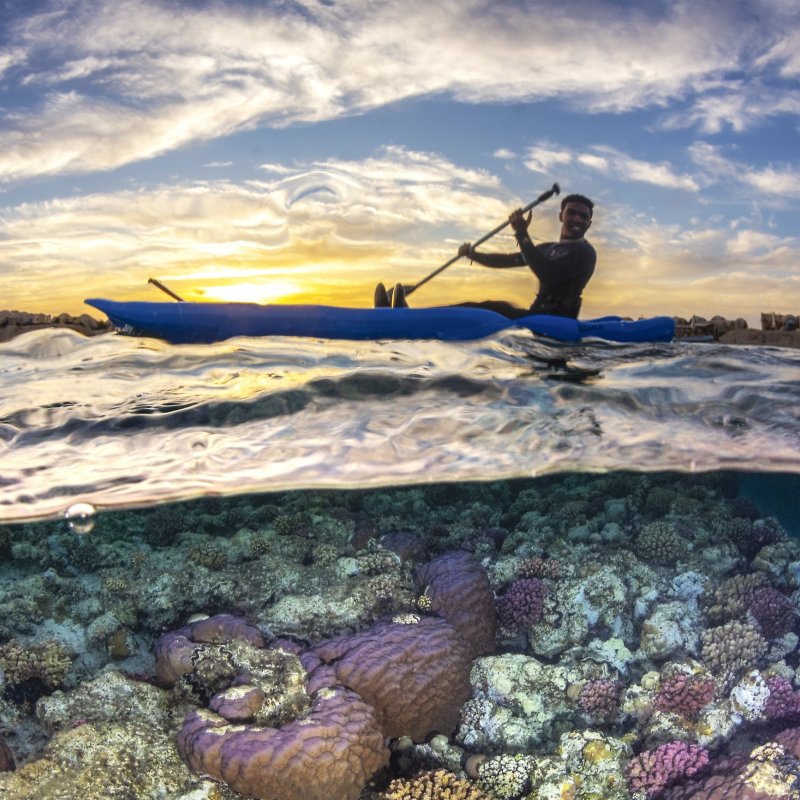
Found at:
(13, 323)
(777, 330)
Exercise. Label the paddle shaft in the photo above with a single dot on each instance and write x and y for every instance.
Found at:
(540, 199)
(163, 288)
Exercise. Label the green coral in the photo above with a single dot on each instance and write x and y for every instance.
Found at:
(659, 543)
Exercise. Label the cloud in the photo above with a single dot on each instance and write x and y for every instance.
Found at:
(772, 181)
(737, 107)
(609, 161)
(546, 158)
(97, 85)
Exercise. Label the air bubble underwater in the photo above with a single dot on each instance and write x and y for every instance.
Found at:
(81, 517)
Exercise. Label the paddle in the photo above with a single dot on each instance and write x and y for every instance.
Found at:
(556, 189)
(163, 288)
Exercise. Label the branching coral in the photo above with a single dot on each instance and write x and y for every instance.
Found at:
(523, 604)
(659, 543)
(732, 649)
(435, 785)
(654, 771)
(685, 694)
(601, 698)
(773, 611)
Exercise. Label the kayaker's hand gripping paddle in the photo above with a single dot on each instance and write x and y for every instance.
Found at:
(556, 189)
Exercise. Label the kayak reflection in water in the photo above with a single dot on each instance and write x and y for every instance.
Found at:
(563, 267)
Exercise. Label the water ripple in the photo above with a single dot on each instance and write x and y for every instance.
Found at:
(119, 421)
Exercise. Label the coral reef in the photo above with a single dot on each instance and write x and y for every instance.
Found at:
(596, 637)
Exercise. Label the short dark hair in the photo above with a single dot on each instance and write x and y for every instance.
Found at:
(578, 198)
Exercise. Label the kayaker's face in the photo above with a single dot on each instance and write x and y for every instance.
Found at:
(576, 219)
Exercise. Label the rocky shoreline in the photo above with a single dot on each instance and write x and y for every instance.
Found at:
(14, 323)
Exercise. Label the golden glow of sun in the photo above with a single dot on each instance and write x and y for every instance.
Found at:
(266, 292)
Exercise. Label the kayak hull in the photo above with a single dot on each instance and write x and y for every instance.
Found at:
(203, 323)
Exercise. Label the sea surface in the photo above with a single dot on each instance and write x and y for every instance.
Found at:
(301, 484)
(116, 421)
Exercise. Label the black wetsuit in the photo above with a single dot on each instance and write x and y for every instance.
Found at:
(563, 269)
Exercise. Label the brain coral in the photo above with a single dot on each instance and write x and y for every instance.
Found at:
(459, 590)
(415, 675)
(407, 676)
(332, 752)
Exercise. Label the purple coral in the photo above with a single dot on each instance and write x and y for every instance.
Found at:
(416, 675)
(408, 676)
(654, 771)
(601, 698)
(774, 612)
(685, 694)
(523, 604)
(459, 592)
(783, 702)
(332, 752)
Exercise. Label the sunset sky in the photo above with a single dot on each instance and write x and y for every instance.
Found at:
(302, 151)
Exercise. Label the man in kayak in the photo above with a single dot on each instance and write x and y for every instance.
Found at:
(563, 267)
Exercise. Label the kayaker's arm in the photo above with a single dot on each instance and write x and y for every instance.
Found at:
(496, 260)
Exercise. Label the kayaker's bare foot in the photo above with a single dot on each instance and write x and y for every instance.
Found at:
(381, 297)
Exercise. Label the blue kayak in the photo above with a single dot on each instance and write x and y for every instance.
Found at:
(202, 323)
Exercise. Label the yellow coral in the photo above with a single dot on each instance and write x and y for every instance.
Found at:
(596, 750)
(434, 785)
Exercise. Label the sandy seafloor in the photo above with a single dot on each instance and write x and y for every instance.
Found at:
(646, 638)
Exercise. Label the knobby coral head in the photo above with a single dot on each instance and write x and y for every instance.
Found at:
(332, 752)
(323, 733)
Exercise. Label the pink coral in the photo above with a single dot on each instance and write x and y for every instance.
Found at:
(523, 604)
(654, 771)
(601, 698)
(783, 702)
(774, 612)
(684, 694)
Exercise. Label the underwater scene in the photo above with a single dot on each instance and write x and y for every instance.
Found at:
(296, 570)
